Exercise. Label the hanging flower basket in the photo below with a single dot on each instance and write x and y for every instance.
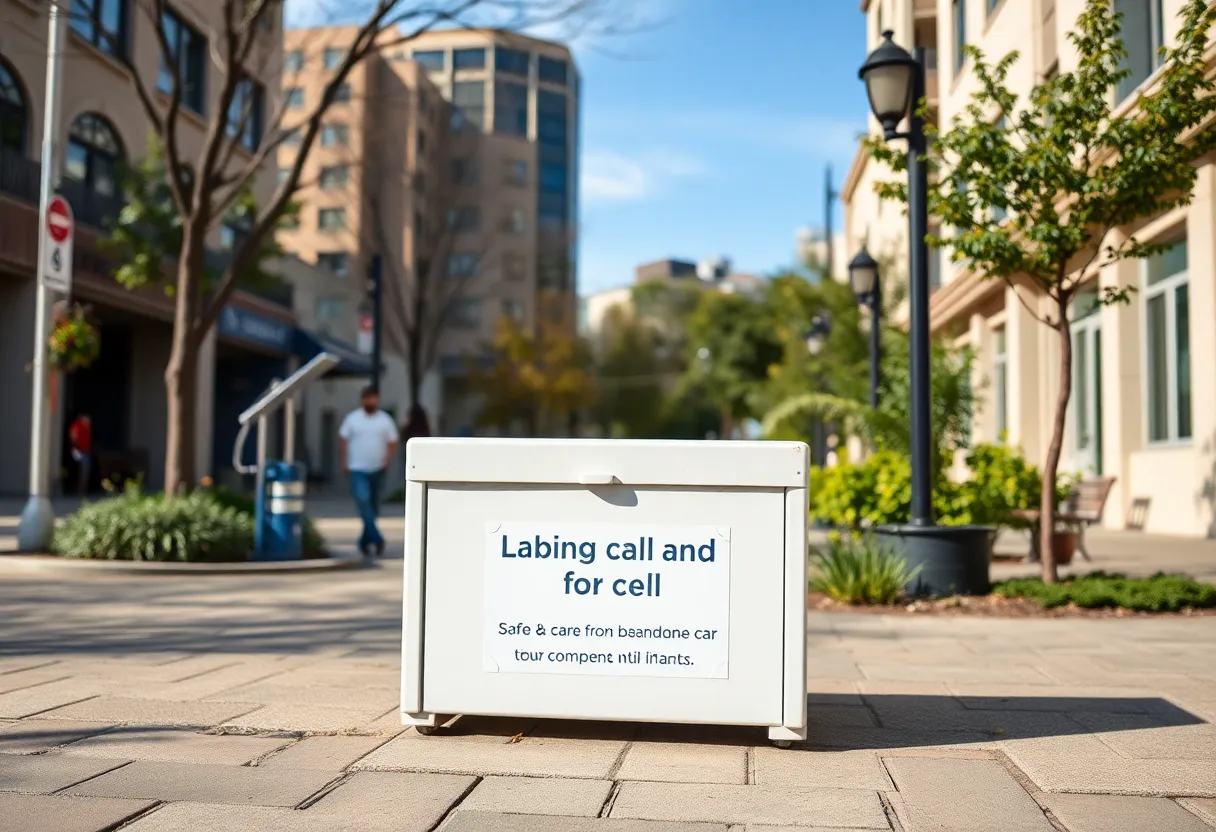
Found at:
(74, 343)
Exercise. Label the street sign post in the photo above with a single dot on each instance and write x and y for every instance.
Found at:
(59, 230)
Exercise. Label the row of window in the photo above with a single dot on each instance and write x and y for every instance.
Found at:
(507, 61)
(467, 218)
(1167, 359)
(466, 171)
(332, 135)
(1143, 35)
(294, 96)
(465, 312)
(331, 58)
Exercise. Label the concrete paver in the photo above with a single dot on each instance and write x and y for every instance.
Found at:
(1204, 807)
(684, 763)
(26, 812)
(318, 719)
(211, 817)
(34, 736)
(323, 753)
(174, 745)
(135, 711)
(1086, 765)
(46, 773)
(206, 783)
(963, 795)
(415, 802)
(796, 768)
(1107, 813)
(462, 821)
(675, 802)
(1148, 736)
(485, 755)
(538, 796)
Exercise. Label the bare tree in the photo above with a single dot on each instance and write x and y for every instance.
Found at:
(205, 188)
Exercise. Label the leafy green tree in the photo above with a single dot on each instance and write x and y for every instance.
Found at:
(731, 347)
(1041, 190)
(629, 376)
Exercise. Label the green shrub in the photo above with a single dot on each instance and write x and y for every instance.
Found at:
(879, 490)
(313, 542)
(135, 526)
(1160, 593)
(860, 571)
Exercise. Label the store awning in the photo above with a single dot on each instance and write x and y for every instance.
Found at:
(351, 362)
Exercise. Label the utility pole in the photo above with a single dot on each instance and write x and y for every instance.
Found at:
(829, 202)
(376, 280)
(37, 523)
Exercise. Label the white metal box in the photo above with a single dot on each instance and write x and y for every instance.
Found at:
(538, 570)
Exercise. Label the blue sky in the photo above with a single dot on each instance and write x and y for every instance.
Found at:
(709, 132)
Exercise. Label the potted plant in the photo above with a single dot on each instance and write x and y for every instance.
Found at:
(74, 343)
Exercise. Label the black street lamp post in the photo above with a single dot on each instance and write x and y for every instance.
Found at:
(867, 286)
(816, 337)
(952, 559)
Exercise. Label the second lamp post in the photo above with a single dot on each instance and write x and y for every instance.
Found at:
(867, 286)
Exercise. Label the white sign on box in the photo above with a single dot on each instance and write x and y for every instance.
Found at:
(607, 600)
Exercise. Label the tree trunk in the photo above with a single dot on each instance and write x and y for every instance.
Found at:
(1047, 505)
(727, 424)
(181, 373)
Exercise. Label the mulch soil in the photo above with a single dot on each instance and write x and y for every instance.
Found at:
(992, 606)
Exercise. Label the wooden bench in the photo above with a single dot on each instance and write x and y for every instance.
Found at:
(1081, 509)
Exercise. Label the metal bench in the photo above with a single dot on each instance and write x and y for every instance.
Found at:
(1082, 508)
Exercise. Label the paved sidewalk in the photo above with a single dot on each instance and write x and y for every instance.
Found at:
(269, 703)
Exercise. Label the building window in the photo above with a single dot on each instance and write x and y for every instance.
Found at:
(102, 23)
(1167, 345)
(330, 310)
(960, 34)
(466, 313)
(234, 231)
(1000, 382)
(293, 61)
(513, 309)
(512, 61)
(469, 103)
(333, 177)
(463, 171)
(464, 218)
(284, 175)
(469, 59)
(94, 154)
(551, 117)
(551, 70)
(462, 264)
(331, 219)
(553, 178)
(188, 49)
(420, 182)
(430, 60)
(419, 227)
(513, 221)
(336, 262)
(294, 98)
(1143, 35)
(421, 143)
(515, 173)
(292, 138)
(514, 266)
(248, 104)
(510, 108)
(341, 93)
(332, 57)
(334, 135)
(13, 112)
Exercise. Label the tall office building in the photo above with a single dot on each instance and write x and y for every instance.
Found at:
(1142, 411)
(454, 157)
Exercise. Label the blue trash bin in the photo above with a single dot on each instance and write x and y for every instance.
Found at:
(280, 514)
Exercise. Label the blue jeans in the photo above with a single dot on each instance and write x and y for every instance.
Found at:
(365, 488)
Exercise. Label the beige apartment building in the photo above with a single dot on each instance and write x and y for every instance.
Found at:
(453, 157)
(102, 125)
(1143, 411)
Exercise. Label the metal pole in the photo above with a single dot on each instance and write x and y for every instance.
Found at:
(875, 340)
(918, 305)
(38, 517)
(377, 318)
(260, 499)
(289, 429)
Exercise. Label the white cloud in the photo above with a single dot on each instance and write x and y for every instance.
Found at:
(613, 177)
(610, 177)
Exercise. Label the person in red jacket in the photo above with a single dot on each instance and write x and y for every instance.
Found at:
(80, 435)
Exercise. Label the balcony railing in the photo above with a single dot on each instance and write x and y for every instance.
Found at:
(19, 178)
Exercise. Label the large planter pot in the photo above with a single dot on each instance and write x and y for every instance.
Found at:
(1063, 547)
(953, 560)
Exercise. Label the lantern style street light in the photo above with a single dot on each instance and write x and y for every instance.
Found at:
(867, 287)
(895, 83)
(817, 334)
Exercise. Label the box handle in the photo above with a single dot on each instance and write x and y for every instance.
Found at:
(596, 479)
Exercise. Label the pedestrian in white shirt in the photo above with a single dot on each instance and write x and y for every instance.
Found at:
(367, 441)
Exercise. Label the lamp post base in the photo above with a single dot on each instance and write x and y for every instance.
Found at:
(37, 525)
(953, 559)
